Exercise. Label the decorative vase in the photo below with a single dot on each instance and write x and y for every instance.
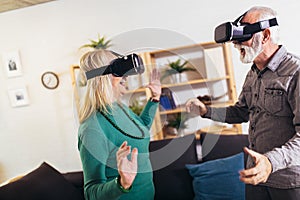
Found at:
(176, 78)
(179, 77)
(180, 132)
(171, 131)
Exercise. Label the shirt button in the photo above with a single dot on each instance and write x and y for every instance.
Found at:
(255, 95)
(252, 145)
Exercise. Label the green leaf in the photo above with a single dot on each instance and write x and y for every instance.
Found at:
(178, 121)
(136, 107)
(167, 73)
(176, 67)
(101, 43)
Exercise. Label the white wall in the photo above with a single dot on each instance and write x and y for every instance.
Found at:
(48, 36)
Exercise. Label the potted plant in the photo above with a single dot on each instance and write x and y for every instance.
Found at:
(177, 123)
(101, 43)
(177, 68)
(136, 107)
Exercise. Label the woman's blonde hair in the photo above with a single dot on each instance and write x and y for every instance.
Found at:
(99, 89)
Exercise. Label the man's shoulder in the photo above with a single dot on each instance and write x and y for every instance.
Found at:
(289, 65)
(293, 56)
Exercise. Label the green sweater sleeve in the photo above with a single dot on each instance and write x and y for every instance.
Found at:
(148, 113)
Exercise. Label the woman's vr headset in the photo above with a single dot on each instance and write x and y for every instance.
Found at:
(241, 32)
(123, 66)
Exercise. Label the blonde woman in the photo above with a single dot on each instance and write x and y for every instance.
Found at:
(113, 141)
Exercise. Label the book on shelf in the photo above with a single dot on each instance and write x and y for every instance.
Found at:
(167, 99)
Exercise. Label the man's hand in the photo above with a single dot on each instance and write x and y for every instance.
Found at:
(260, 172)
(195, 107)
(127, 168)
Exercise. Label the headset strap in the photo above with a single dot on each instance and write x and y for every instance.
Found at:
(260, 26)
(239, 18)
(98, 72)
(102, 70)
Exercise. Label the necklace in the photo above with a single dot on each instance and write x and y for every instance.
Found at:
(121, 130)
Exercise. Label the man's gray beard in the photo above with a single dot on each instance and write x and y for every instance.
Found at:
(251, 52)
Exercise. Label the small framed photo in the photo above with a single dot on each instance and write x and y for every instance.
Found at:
(12, 64)
(18, 97)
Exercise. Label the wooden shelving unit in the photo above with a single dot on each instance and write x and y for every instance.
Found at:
(198, 55)
(214, 77)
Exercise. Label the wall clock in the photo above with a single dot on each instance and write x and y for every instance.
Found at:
(50, 80)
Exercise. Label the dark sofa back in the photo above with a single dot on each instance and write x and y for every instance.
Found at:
(173, 181)
(216, 146)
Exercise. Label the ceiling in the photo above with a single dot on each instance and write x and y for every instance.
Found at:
(7, 5)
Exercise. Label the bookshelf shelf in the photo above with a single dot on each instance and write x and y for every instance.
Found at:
(182, 108)
(173, 111)
(139, 90)
(193, 82)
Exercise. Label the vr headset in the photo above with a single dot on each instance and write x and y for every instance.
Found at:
(241, 32)
(123, 66)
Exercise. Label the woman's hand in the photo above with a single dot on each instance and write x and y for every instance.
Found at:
(127, 168)
(195, 107)
(155, 85)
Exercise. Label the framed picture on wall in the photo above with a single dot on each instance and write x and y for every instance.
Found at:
(12, 64)
(78, 84)
(18, 97)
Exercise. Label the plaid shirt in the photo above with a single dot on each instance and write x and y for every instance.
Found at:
(270, 101)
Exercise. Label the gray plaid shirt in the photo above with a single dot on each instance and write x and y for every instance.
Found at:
(270, 101)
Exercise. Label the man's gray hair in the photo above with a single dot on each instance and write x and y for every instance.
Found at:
(267, 13)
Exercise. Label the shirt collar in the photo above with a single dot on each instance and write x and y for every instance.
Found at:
(275, 60)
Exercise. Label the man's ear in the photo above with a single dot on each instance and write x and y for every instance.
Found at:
(266, 35)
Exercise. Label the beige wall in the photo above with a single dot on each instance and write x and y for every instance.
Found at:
(48, 36)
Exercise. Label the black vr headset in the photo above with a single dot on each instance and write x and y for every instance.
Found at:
(123, 66)
(241, 32)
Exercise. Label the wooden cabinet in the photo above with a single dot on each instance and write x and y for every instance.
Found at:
(213, 77)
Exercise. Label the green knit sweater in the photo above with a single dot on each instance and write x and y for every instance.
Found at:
(98, 143)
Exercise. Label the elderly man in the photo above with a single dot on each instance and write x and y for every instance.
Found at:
(270, 101)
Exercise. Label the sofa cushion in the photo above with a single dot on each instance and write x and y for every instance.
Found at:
(168, 158)
(43, 183)
(76, 178)
(218, 179)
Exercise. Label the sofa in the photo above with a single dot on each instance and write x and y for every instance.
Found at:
(169, 158)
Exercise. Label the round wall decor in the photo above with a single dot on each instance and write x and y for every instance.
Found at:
(50, 80)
